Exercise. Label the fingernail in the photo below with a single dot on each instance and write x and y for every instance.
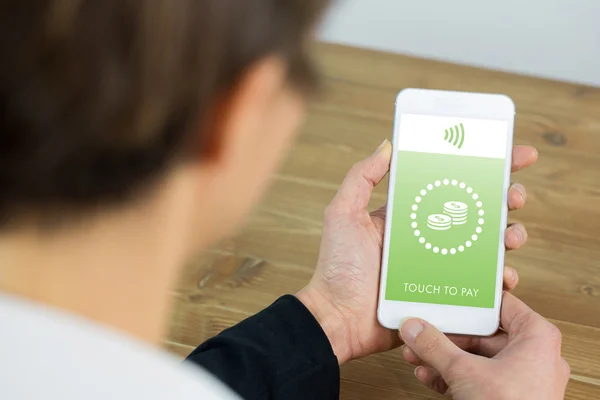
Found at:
(410, 328)
(513, 274)
(417, 372)
(519, 234)
(520, 189)
(381, 146)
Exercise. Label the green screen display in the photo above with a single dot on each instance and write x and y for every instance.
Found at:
(445, 234)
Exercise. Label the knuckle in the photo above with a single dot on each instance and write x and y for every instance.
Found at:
(331, 210)
(356, 168)
(335, 209)
(566, 367)
(526, 321)
(460, 368)
(430, 344)
(553, 334)
(461, 365)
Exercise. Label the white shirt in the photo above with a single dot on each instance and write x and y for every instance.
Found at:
(48, 354)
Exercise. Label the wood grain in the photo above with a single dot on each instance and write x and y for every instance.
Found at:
(277, 250)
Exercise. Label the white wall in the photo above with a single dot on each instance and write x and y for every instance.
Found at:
(557, 39)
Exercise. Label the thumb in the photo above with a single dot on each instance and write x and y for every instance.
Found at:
(431, 345)
(355, 192)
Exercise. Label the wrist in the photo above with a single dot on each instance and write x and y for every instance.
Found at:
(331, 321)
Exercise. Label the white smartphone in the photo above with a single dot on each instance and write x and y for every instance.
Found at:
(443, 256)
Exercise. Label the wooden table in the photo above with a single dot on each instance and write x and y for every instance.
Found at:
(277, 251)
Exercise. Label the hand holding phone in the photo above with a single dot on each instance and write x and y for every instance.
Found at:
(342, 293)
(443, 255)
(527, 358)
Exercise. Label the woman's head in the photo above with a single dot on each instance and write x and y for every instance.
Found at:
(103, 101)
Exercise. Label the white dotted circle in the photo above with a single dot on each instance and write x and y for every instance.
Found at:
(480, 221)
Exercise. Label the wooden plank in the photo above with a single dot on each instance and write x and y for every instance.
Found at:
(351, 390)
(582, 391)
(397, 72)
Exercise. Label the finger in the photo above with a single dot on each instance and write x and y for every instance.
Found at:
(566, 369)
(511, 278)
(430, 345)
(523, 157)
(411, 357)
(515, 237)
(482, 346)
(355, 192)
(516, 316)
(432, 379)
(517, 197)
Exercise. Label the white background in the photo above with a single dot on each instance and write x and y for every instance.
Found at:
(558, 39)
(425, 134)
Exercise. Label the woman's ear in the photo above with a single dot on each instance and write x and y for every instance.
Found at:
(239, 113)
(252, 125)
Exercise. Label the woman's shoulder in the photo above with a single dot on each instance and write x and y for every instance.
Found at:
(47, 353)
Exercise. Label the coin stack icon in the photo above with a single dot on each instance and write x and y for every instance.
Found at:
(439, 222)
(457, 211)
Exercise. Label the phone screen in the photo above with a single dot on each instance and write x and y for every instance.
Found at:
(445, 231)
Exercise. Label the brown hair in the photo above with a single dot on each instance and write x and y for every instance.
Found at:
(97, 97)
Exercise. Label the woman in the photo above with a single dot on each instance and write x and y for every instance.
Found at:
(134, 134)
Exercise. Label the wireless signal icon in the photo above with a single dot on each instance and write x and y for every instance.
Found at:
(456, 136)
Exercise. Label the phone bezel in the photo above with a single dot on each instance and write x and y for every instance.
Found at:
(449, 319)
